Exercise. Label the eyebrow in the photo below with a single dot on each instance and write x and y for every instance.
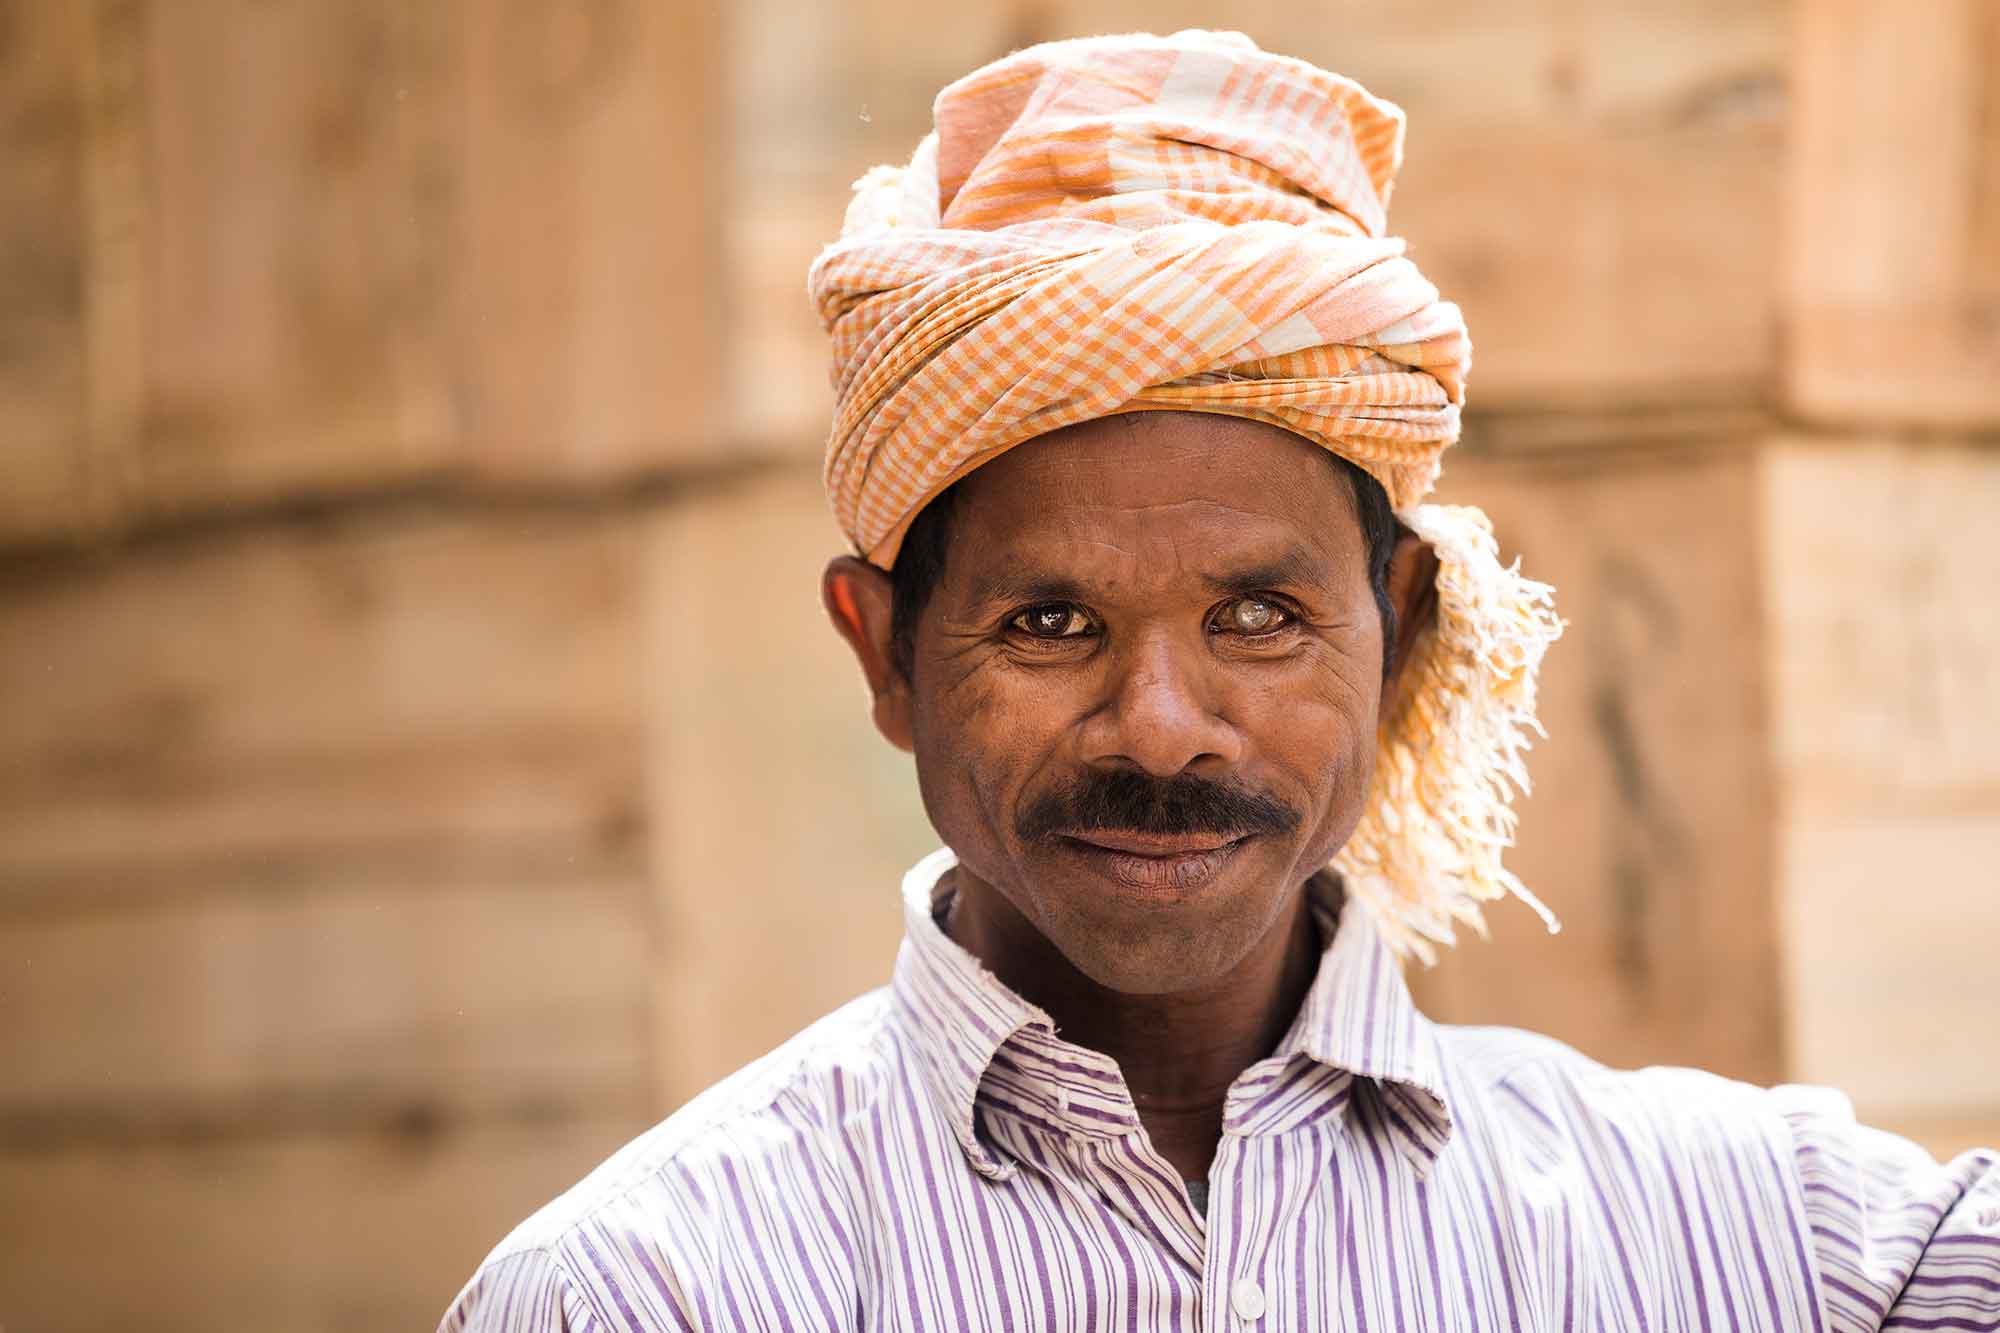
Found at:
(1294, 568)
(1014, 584)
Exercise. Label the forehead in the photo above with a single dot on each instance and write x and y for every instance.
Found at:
(1156, 496)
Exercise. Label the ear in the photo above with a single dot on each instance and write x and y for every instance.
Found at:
(859, 599)
(1413, 571)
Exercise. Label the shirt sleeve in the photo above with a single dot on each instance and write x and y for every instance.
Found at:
(1900, 1241)
(523, 1292)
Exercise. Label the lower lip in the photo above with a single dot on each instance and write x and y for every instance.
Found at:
(1155, 876)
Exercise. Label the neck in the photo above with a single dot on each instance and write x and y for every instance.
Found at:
(1178, 1052)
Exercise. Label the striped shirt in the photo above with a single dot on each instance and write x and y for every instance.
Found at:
(934, 1156)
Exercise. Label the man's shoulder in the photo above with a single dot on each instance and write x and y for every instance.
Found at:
(1554, 1103)
(1868, 1214)
(743, 1116)
(1555, 1091)
(778, 1106)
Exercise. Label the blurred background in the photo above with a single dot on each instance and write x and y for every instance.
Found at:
(423, 762)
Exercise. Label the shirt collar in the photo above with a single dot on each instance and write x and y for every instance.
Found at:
(1357, 1021)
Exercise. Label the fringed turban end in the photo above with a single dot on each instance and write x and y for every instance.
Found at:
(1451, 756)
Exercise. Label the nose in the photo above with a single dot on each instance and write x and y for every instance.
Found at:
(1160, 713)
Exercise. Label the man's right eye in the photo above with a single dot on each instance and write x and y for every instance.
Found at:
(1052, 620)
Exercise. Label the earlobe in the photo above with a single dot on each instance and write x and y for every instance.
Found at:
(860, 600)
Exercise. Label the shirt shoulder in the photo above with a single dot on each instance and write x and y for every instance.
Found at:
(1651, 1124)
(1864, 1226)
(1900, 1239)
(1540, 1071)
(635, 1223)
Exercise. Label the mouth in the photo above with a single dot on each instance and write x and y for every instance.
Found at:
(1154, 844)
(1154, 864)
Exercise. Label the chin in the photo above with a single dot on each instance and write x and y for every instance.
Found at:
(1161, 960)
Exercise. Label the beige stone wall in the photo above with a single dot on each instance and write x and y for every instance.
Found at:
(423, 761)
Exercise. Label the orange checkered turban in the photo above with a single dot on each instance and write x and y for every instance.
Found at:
(1189, 223)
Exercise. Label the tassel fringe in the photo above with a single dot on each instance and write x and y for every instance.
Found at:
(1450, 759)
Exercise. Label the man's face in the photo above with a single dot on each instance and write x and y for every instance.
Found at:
(1144, 693)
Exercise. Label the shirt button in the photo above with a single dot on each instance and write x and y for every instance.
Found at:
(1062, 1101)
(1247, 1299)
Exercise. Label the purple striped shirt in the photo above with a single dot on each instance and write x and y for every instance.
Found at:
(934, 1156)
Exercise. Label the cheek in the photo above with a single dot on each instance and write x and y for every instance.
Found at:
(1318, 728)
(977, 734)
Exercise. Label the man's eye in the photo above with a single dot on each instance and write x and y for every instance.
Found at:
(1249, 615)
(1052, 620)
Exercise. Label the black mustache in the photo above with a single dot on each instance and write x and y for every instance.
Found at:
(1129, 801)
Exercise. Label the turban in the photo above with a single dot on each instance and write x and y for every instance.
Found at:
(1189, 223)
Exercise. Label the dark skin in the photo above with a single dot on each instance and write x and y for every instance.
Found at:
(1163, 594)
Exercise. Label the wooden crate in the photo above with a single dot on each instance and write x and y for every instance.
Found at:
(326, 930)
(294, 250)
(1879, 559)
(44, 343)
(1766, 810)
(284, 251)
(457, 827)
(1648, 830)
(1892, 292)
(587, 284)
(783, 823)
(390, 996)
(308, 1231)
(458, 694)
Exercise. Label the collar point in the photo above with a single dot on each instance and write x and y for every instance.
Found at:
(988, 1163)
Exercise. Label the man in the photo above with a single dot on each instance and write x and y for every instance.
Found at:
(1137, 406)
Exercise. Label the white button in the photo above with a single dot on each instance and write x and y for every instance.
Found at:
(1247, 1298)
(1062, 1101)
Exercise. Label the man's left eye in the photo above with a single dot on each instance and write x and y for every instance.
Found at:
(1249, 615)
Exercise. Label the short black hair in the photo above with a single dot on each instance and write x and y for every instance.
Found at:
(920, 563)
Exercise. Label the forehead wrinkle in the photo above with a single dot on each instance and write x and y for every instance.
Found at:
(1095, 568)
(1297, 567)
(1120, 503)
(1016, 575)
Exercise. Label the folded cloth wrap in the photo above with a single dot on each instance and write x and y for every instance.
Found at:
(1189, 223)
